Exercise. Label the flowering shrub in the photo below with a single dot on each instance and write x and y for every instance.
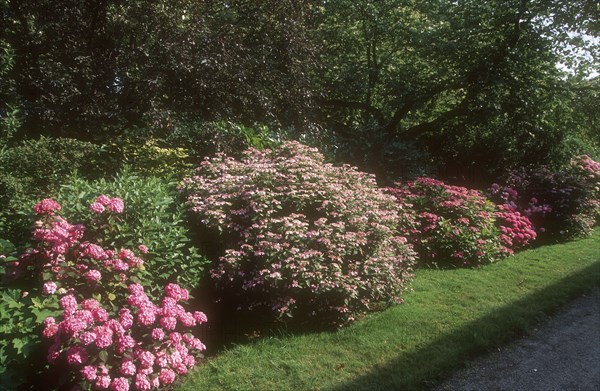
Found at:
(154, 217)
(453, 225)
(589, 170)
(517, 230)
(302, 238)
(109, 332)
(561, 205)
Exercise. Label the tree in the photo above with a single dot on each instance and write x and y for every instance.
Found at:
(457, 77)
(88, 68)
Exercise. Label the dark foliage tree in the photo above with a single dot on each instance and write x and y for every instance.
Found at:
(473, 82)
(85, 68)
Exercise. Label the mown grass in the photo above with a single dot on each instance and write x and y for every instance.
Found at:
(450, 317)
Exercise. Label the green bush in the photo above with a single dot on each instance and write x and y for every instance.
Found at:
(36, 169)
(207, 138)
(153, 217)
(301, 238)
(22, 311)
(149, 158)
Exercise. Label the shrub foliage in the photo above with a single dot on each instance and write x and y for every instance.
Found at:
(455, 226)
(561, 204)
(301, 238)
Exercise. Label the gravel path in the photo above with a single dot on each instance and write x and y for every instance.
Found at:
(563, 354)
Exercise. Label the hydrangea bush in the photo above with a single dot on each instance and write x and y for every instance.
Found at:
(562, 205)
(108, 332)
(154, 217)
(455, 226)
(301, 238)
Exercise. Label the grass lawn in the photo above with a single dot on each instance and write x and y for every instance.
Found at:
(451, 316)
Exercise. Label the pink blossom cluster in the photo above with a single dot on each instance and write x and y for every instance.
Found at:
(103, 202)
(453, 225)
(47, 206)
(305, 238)
(589, 169)
(517, 230)
(146, 346)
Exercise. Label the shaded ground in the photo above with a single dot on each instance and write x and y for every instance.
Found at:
(562, 354)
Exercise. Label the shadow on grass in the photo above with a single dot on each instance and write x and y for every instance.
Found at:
(425, 367)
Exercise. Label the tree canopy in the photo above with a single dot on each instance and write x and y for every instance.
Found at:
(473, 82)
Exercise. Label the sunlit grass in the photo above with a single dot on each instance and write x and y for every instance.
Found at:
(451, 316)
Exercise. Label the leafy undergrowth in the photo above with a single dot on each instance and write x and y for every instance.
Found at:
(451, 316)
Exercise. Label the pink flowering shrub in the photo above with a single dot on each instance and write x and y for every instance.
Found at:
(301, 238)
(517, 230)
(562, 204)
(108, 332)
(454, 226)
(589, 170)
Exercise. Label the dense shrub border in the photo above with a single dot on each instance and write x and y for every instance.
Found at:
(108, 331)
(455, 226)
(302, 238)
(562, 205)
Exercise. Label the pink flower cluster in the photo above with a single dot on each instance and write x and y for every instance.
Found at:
(145, 345)
(517, 230)
(143, 350)
(102, 202)
(47, 206)
(452, 225)
(313, 239)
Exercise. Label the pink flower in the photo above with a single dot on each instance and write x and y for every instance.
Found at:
(103, 382)
(168, 322)
(89, 373)
(124, 342)
(76, 355)
(50, 330)
(146, 359)
(175, 337)
(200, 317)
(104, 336)
(120, 384)
(189, 360)
(166, 376)
(47, 206)
(49, 320)
(176, 292)
(116, 205)
(100, 314)
(69, 304)
(146, 316)
(136, 289)
(128, 368)
(88, 337)
(102, 199)
(143, 249)
(157, 334)
(93, 276)
(187, 319)
(93, 251)
(142, 383)
(97, 207)
(90, 304)
(125, 318)
(49, 288)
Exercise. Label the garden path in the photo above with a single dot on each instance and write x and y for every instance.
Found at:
(563, 354)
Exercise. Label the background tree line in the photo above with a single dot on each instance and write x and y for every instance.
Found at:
(393, 86)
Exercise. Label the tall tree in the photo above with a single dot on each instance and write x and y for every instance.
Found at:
(458, 76)
(82, 65)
